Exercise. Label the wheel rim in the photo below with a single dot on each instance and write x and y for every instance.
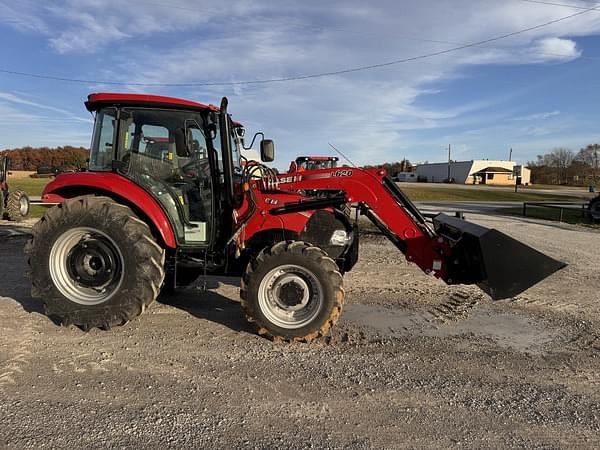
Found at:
(23, 206)
(290, 296)
(86, 266)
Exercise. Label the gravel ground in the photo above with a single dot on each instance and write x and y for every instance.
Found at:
(412, 364)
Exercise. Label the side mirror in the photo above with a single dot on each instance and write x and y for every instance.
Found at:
(267, 150)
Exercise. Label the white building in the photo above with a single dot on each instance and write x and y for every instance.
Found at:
(479, 171)
(406, 176)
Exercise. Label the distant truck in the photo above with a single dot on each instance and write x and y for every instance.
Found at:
(406, 177)
(303, 163)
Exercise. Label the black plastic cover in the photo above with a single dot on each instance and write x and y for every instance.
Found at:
(500, 265)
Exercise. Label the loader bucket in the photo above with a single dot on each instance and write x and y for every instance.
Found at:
(500, 265)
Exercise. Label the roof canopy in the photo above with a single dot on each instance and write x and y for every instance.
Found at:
(493, 170)
(317, 158)
(98, 100)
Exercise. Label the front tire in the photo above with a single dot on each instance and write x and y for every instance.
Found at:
(292, 291)
(17, 206)
(94, 263)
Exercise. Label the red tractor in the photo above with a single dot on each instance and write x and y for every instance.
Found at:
(137, 222)
(303, 163)
(14, 204)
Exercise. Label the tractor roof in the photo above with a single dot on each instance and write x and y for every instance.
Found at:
(317, 158)
(98, 100)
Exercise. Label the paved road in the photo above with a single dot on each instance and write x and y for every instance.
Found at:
(477, 207)
(10, 229)
(568, 191)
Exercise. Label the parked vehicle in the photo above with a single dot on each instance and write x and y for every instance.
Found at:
(14, 204)
(137, 221)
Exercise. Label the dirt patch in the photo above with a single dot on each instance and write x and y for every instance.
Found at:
(518, 332)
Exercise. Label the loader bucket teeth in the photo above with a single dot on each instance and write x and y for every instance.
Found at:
(500, 265)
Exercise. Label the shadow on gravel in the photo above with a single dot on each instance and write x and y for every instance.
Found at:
(210, 305)
(14, 282)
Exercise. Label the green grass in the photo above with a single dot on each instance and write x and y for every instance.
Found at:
(37, 211)
(474, 194)
(32, 186)
(572, 216)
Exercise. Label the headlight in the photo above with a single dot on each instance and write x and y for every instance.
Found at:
(339, 237)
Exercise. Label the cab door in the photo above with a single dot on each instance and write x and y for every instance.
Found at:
(165, 152)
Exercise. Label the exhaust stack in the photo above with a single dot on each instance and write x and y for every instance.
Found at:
(500, 265)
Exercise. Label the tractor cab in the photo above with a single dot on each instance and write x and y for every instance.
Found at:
(182, 153)
(303, 163)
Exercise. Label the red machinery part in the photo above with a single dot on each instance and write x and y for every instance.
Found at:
(456, 251)
(70, 185)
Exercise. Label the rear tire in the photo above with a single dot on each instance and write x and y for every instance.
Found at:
(94, 263)
(17, 206)
(292, 291)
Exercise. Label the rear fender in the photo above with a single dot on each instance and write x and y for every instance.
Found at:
(119, 188)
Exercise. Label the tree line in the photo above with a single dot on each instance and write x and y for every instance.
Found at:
(564, 166)
(33, 158)
(394, 167)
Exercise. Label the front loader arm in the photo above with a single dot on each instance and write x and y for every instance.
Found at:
(454, 250)
(386, 206)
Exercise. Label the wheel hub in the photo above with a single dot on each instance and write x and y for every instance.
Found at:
(290, 296)
(86, 266)
(23, 206)
(92, 263)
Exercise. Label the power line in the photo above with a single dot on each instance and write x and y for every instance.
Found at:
(565, 5)
(308, 76)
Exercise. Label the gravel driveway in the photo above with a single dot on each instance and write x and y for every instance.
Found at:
(412, 364)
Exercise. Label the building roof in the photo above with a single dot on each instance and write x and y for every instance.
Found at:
(494, 170)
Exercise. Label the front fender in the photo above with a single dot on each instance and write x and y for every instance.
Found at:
(121, 189)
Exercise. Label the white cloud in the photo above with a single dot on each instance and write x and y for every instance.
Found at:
(12, 98)
(369, 114)
(538, 116)
(562, 49)
(23, 16)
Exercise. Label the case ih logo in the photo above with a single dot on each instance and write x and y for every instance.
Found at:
(290, 179)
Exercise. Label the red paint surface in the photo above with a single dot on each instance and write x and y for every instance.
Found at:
(58, 190)
(96, 100)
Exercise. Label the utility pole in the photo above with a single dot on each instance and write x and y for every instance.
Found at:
(595, 164)
(510, 154)
(449, 160)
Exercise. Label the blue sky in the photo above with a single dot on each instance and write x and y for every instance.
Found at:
(532, 92)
